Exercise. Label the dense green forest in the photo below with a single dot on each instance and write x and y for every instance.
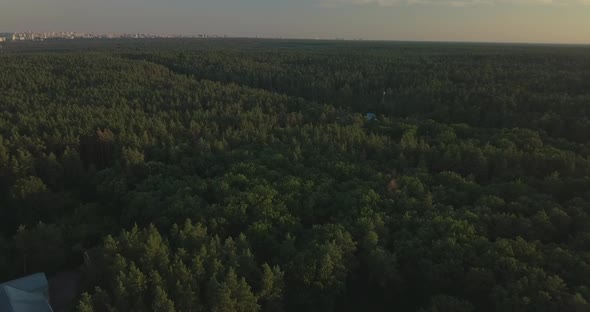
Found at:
(244, 175)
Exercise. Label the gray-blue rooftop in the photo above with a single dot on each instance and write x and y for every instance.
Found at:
(26, 294)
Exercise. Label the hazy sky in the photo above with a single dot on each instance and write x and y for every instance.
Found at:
(563, 21)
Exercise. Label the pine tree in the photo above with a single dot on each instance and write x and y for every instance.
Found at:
(85, 303)
(271, 288)
(246, 300)
(219, 297)
(161, 302)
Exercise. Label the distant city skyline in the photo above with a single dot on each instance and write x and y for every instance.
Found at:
(527, 21)
(45, 35)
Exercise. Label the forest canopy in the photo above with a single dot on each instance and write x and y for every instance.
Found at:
(260, 175)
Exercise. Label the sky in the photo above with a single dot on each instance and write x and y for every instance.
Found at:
(543, 21)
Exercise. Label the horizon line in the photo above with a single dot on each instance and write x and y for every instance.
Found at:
(265, 37)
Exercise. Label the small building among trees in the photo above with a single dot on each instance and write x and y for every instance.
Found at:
(27, 294)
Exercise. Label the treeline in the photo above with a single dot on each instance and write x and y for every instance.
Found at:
(538, 88)
(189, 191)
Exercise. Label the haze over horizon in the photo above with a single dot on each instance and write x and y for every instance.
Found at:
(527, 21)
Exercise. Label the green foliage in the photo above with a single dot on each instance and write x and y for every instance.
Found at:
(244, 176)
(40, 248)
(25, 188)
